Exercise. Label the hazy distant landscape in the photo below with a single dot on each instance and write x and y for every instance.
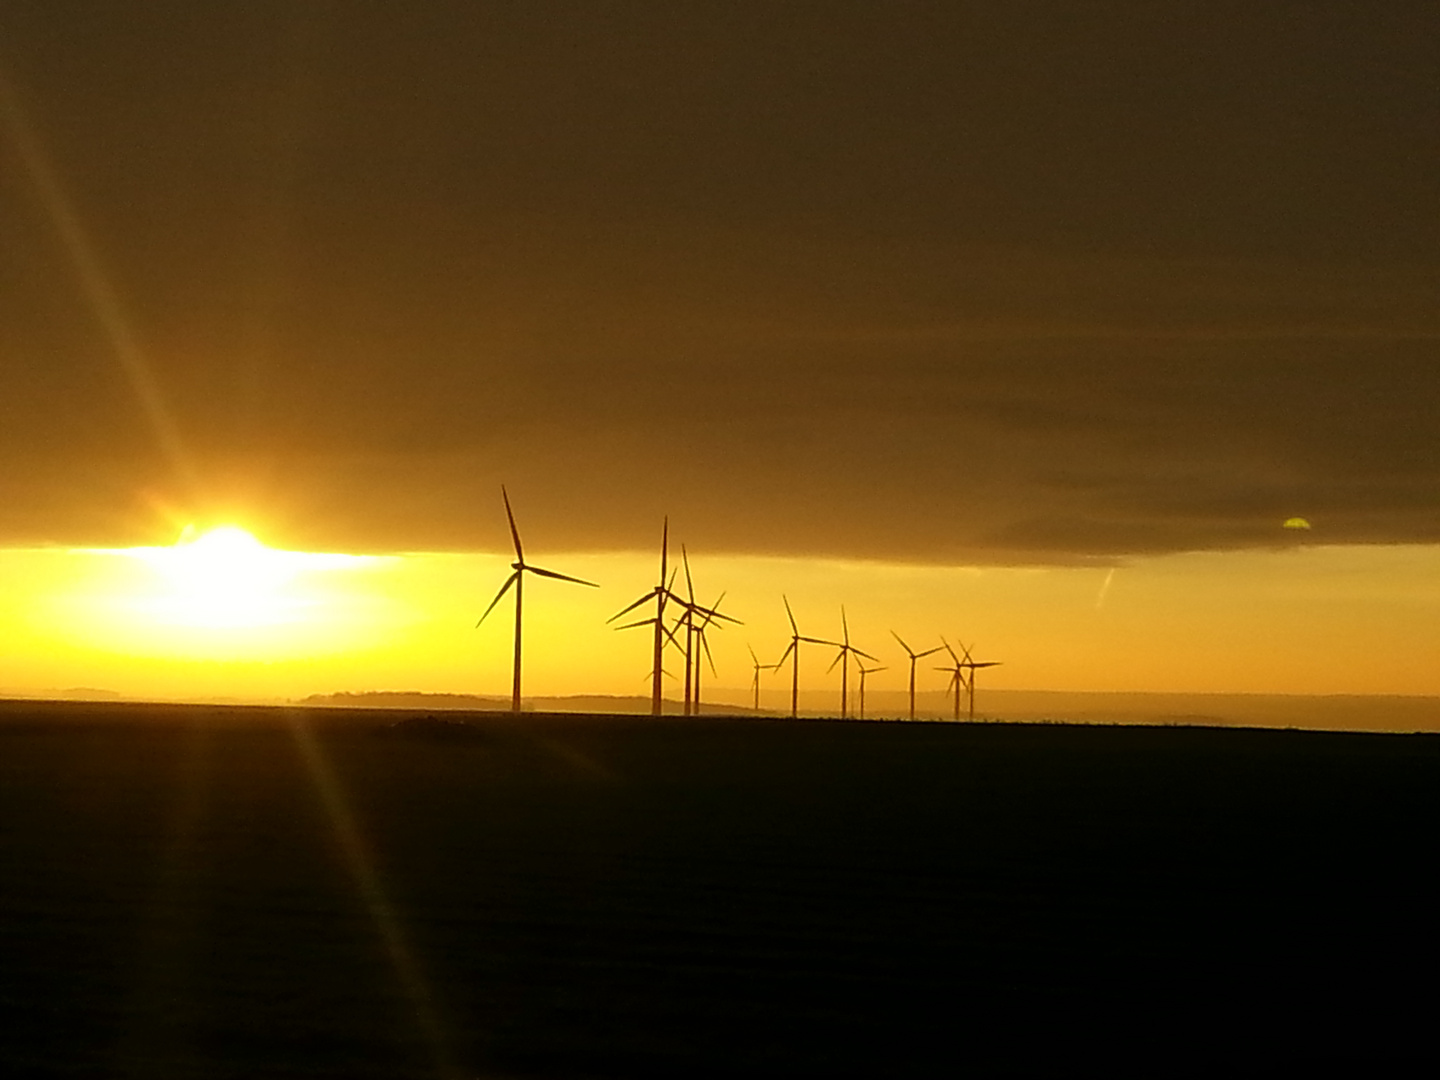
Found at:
(1335, 712)
(218, 891)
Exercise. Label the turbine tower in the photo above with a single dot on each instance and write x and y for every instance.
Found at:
(843, 659)
(520, 566)
(914, 656)
(794, 646)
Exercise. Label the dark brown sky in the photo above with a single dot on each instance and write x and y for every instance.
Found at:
(908, 280)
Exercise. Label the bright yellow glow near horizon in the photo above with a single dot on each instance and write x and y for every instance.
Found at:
(224, 616)
(223, 579)
(218, 596)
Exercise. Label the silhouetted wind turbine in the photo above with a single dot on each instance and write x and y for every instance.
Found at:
(914, 656)
(957, 676)
(694, 630)
(972, 664)
(659, 594)
(520, 566)
(699, 630)
(759, 667)
(843, 659)
(863, 672)
(794, 646)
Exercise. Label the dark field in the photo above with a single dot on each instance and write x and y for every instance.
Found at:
(244, 892)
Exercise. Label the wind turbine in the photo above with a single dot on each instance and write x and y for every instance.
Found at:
(794, 646)
(518, 580)
(972, 664)
(699, 630)
(843, 659)
(957, 676)
(863, 672)
(659, 594)
(759, 667)
(914, 656)
(694, 630)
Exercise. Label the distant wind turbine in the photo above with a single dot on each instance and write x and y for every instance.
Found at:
(520, 566)
(659, 594)
(914, 656)
(863, 672)
(972, 664)
(794, 647)
(843, 659)
(957, 676)
(696, 630)
(759, 667)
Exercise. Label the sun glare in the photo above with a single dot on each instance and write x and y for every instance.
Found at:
(223, 578)
(223, 595)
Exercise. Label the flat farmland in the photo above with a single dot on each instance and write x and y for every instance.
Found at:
(192, 891)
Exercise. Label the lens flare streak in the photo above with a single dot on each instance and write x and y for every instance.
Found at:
(361, 864)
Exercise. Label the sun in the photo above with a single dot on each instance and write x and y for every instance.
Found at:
(224, 578)
(222, 596)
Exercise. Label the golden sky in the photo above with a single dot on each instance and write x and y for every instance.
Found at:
(943, 311)
(183, 622)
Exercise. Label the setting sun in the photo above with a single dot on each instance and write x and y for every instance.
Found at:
(223, 578)
(221, 597)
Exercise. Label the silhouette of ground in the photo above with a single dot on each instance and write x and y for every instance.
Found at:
(606, 896)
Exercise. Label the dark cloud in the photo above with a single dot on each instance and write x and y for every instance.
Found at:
(901, 281)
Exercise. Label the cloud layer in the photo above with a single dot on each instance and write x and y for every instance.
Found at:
(882, 281)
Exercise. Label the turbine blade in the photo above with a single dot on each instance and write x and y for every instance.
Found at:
(950, 650)
(514, 532)
(790, 614)
(844, 624)
(632, 625)
(898, 638)
(670, 634)
(838, 655)
(927, 652)
(689, 581)
(560, 577)
(862, 652)
(626, 610)
(705, 646)
(503, 590)
(752, 654)
(785, 655)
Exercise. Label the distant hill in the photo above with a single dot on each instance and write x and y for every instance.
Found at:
(415, 699)
(406, 699)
